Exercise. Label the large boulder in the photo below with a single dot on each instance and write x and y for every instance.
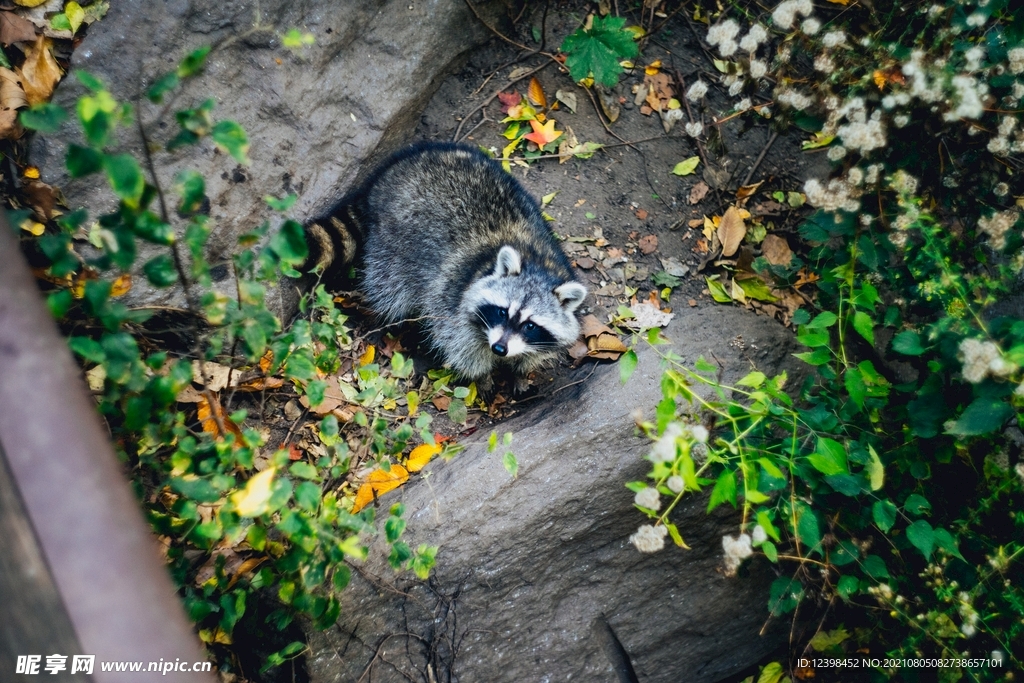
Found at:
(315, 118)
(536, 579)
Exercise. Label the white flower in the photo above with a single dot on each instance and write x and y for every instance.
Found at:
(675, 483)
(699, 433)
(664, 449)
(824, 63)
(810, 26)
(755, 36)
(723, 32)
(735, 88)
(743, 104)
(833, 39)
(863, 137)
(1001, 190)
(974, 57)
(696, 92)
(649, 539)
(1016, 59)
(736, 550)
(758, 68)
(727, 48)
(1019, 469)
(695, 129)
(648, 498)
(784, 14)
(904, 182)
(999, 146)
(759, 535)
(804, 7)
(836, 152)
(794, 99)
(981, 358)
(976, 19)
(996, 226)
(900, 120)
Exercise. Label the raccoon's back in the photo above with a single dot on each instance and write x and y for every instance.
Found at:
(434, 218)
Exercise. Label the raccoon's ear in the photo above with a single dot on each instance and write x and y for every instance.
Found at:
(571, 295)
(509, 262)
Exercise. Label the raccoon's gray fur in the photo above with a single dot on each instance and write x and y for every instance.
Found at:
(449, 239)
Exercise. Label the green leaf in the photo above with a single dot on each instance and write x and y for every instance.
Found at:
(847, 587)
(884, 514)
(829, 457)
(983, 416)
(60, 22)
(916, 505)
(663, 279)
(307, 495)
(907, 343)
(920, 533)
(191, 187)
(163, 85)
(195, 488)
(874, 566)
(510, 463)
(81, 161)
(864, 325)
(724, 491)
(598, 50)
(717, 290)
(687, 166)
(824, 640)
(304, 470)
(125, 177)
(771, 673)
(87, 348)
(945, 540)
(46, 117)
(855, 386)
(785, 594)
(819, 356)
(160, 271)
(808, 529)
(193, 63)
(231, 137)
(627, 365)
(823, 320)
(457, 412)
(282, 204)
(813, 338)
(875, 470)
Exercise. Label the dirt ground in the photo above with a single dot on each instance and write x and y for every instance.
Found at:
(623, 215)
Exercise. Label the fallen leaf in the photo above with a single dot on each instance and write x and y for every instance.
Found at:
(642, 214)
(648, 244)
(333, 398)
(675, 267)
(15, 29)
(653, 68)
(40, 72)
(518, 72)
(42, 198)
(731, 231)
(189, 395)
(566, 145)
(508, 100)
(121, 285)
(695, 222)
(817, 140)
(535, 93)
(29, 3)
(697, 193)
(747, 190)
(206, 416)
(213, 376)
(378, 483)
(646, 316)
(567, 98)
(543, 134)
(368, 355)
(254, 499)
(686, 167)
(776, 250)
(755, 288)
(609, 103)
(441, 402)
(585, 262)
(421, 455)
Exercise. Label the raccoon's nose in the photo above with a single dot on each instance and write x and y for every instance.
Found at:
(499, 348)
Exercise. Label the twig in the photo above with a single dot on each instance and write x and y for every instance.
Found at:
(494, 30)
(760, 157)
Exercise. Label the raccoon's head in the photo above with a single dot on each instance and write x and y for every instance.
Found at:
(522, 309)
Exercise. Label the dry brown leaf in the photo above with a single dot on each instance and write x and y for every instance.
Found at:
(590, 326)
(379, 482)
(566, 145)
(695, 222)
(642, 214)
(609, 104)
(210, 426)
(12, 95)
(245, 568)
(698, 192)
(213, 375)
(10, 128)
(535, 93)
(189, 395)
(41, 198)
(441, 402)
(333, 398)
(15, 29)
(649, 244)
(585, 263)
(731, 231)
(40, 73)
(747, 190)
(776, 250)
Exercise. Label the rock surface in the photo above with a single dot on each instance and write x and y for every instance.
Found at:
(314, 119)
(535, 574)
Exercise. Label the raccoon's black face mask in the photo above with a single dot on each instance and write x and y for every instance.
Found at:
(523, 312)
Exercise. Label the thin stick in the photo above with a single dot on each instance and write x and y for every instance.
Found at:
(760, 157)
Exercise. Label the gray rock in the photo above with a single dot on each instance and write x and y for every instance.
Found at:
(315, 121)
(534, 573)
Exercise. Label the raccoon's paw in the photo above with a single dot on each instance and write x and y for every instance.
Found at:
(485, 385)
(522, 385)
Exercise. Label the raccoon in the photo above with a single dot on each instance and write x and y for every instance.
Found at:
(441, 234)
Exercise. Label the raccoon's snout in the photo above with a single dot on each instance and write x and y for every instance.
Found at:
(499, 348)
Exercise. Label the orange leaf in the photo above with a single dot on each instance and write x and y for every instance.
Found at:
(378, 483)
(543, 134)
(266, 361)
(121, 285)
(210, 426)
(368, 355)
(652, 68)
(421, 455)
(536, 93)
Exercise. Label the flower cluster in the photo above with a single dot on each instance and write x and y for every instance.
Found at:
(981, 359)
(649, 539)
(996, 226)
(736, 550)
(787, 11)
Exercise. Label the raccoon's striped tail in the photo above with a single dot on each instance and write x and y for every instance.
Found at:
(333, 243)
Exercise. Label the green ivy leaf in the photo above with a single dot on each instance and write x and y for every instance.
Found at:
(916, 505)
(829, 457)
(921, 534)
(785, 594)
(46, 117)
(874, 566)
(855, 386)
(125, 177)
(823, 320)
(599, 49)
(847, 587)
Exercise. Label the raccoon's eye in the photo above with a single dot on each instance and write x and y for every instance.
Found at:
(502, 313)
(530, 327)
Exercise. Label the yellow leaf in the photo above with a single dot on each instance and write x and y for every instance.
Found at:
(840, 2)
(40, 72)
(731, 231)
(379, 482)
(747, 190)
(413, 399)
(687, 166)
(673, 103)
(254, 499)
(653, 68)
(421, 455)
(879, 78)
(121, 285)
(636, 31)
(709, 227)
(29, 3)
(817, 140)
(32, 227)
(75, 14)
(32, 173)
(368, 355)
(535, 93)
